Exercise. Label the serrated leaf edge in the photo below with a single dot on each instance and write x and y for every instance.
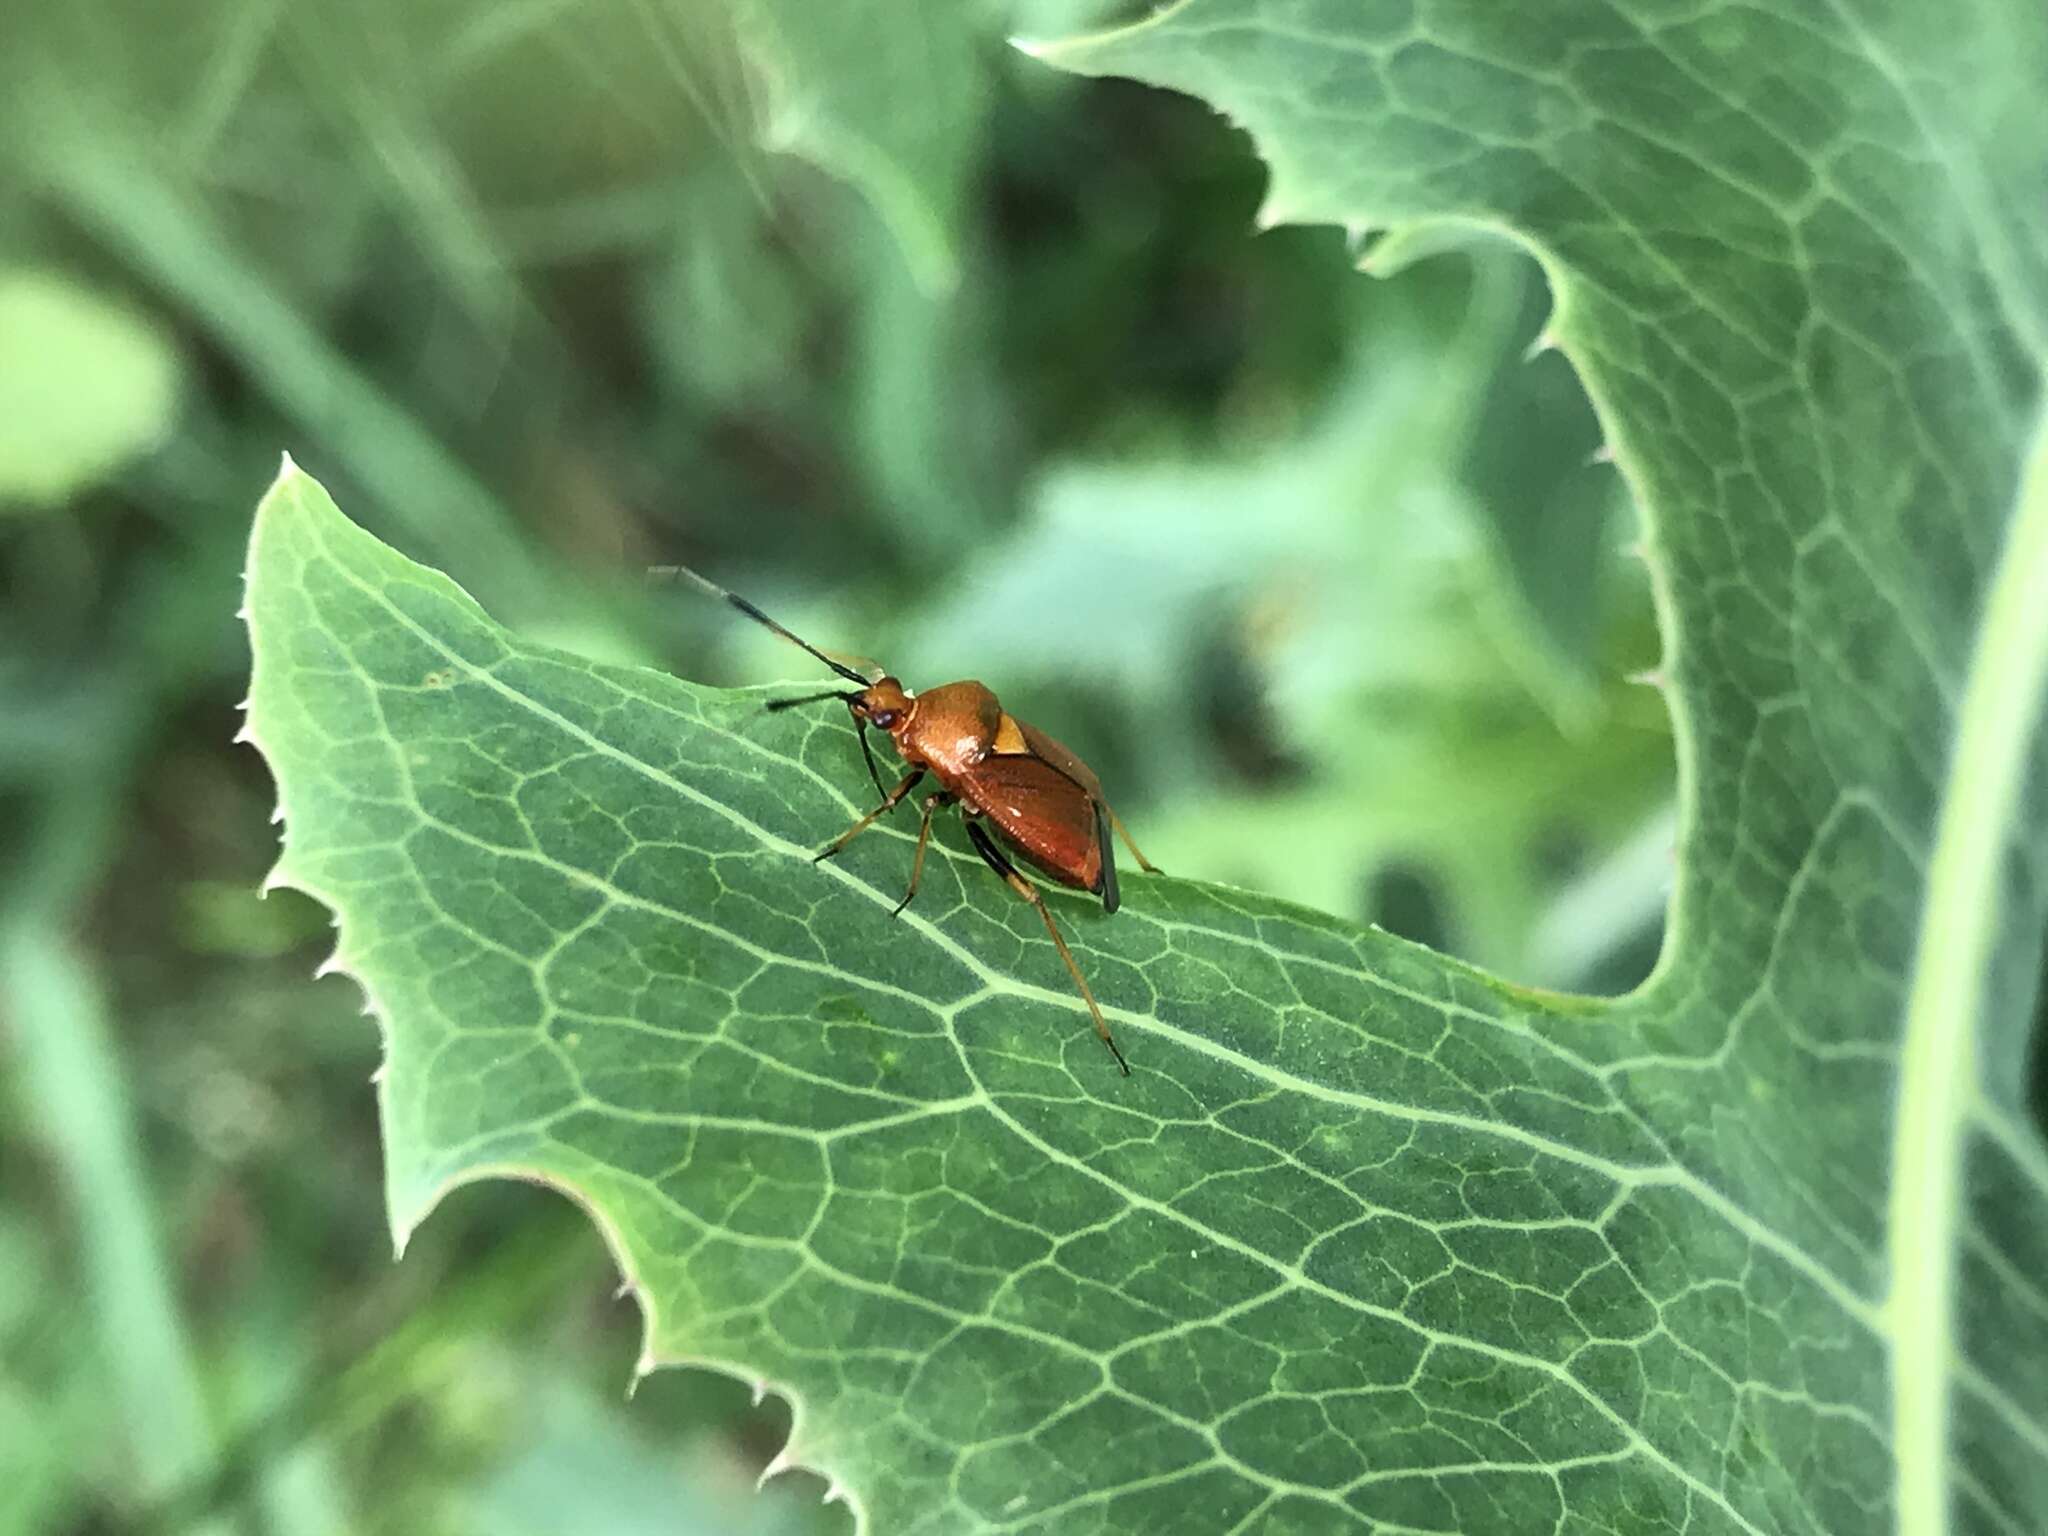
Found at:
(1945, 997)
(792, 1456)
(1558, 333)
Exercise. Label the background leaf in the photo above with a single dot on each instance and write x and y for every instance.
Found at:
(886, 94)
(87, 387)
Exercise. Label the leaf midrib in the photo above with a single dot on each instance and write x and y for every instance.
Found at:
(2008, 674)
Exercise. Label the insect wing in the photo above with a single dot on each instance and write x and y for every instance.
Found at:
(1043, 814)
(1049, 751)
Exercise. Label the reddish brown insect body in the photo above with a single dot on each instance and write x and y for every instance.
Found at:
(1006, 777)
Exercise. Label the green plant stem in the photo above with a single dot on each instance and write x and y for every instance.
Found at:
(71, 1072)
(58, 1027)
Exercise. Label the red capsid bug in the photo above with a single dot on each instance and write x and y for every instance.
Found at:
(1014, 786)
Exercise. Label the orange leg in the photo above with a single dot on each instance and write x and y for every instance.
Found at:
(924, 833)
(986, 847)
(889, 803)
(1124, 832)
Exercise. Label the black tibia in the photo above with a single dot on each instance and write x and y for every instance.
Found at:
(1105, 884)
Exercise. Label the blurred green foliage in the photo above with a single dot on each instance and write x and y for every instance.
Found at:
(991, 376)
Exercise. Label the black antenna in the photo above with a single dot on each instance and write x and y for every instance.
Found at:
(809, 698)
(866, 751)
(713, 589)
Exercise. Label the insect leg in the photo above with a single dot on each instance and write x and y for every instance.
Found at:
(868, 752)
(985, 846)
(924, 832)
(1124, 832)
(889, 802)
(1105, 886)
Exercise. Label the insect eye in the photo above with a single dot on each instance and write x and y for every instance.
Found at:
(884, 718)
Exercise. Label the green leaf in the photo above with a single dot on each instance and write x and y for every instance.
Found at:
(887, 95)
(1807, 289)
(1370, 1236)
